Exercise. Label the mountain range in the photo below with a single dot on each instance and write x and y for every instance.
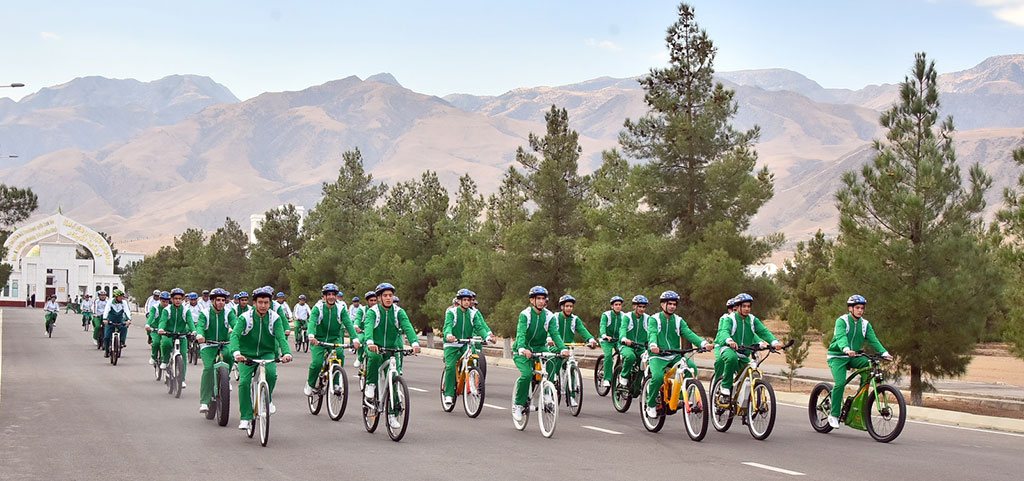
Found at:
(145, 160)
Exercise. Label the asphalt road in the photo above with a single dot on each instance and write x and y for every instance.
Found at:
(65, 413)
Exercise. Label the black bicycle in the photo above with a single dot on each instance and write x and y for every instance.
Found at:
(622, 396)
(114, 347)
(599, 370)
(175, 365)
(220, 403)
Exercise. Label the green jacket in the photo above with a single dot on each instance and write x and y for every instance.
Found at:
(383, 327)
(463, 324)
(534, 329)
(173, 319)
(259, 337)
(634, 328)
(569, 328)
(326, 323)
(744, 331)
(213, 325)
(153, 316)
(664, 332)
(851, 333)
(611, 323)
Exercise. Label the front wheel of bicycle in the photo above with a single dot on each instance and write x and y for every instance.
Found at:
(574, 390)
(337, 392)
(819, 406)
(651, 424)
(599, 377)
(621, 396)
(223, 396)
(887, 413)
(264, 414)
(547, 405)
(179, 375)
(695, 415)
(397, 402)
(115, 349)
(448, 407)
(761, 411)
(721, 413)
(473, 396)
(157, 372)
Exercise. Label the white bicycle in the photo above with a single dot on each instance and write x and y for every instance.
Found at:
(543, 394)
(392, 397)
(260, 399)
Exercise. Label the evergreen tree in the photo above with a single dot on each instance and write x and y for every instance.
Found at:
(225, 259)
(16, 205)
(910, 238)
(278, 240)
(1011, 221)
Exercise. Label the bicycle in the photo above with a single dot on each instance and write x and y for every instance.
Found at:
(114, 348)
(220, 403)
(871, 409)
(599, 371)
(469, 380)
(682, 390)
(51, 319)
(622, 397)
(86, 325)
(572, 389)
(301, 339)
(260, 390)
(754, 400)
(543, 391)
(332, 381)
(193, 351)
(392, 398)
(175, 368)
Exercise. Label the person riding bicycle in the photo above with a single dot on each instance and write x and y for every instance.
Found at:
(213, 325)
(730, 307)
(173, 320)
(153, 323)
(383, 326)
(98, 308)
(283, 309)
(257, 334)
(663, 332)
(328, 323)
(741, 328)
(535, 327)
(301, 313)
(632, 331)
(86, 310)
(569, 327)
(116, 312)
(152, 301)
(193, 306)
(611, 321)
(357, 322)
(50, 312)
(354, 307)
(851, 331)
(460, 322)
(204, 302)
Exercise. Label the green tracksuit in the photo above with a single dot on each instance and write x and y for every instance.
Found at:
(747, 331)
(532, 333)
(610, 325)
(97, 318)
(174, 321)
(327, 324)
(153, 322)
(383, 327)
(850, 334)
(665, 332)
(256, 337)
(568, 330)
(213, 325)
(463, 324)
(633, 328)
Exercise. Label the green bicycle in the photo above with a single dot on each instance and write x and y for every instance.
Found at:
(877, 408)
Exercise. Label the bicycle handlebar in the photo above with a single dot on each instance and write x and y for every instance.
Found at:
(469, 341)
(177, 335)
(756, 348)
(407, 352)
(684, 352)
(218, 343)
(331, 344)
(253, 362)
(873, 357)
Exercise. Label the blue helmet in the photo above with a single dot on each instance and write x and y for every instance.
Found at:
(856, 299)
(464, 293)
(235, 297)
(615, 299)
(302, 296)
(355, 299)
(668, 296)
(538, 291)
(743, 297)
(163, 295)
(243, 294)
(192, 295)
(384, 286)
(177, 292)
(280, 294)
(566, 298)
(218, 292)
(329, 288)
(370, 294)
(397, 300)
(639, 299)
(263, 292)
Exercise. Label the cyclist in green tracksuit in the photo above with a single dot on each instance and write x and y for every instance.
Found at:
(383, 326)
(371, 300)
(611, 322)
(174, 321)
(257, 334)
(213, 325)
(97, 317)
(730, 307)
(851, 331)
(86, 310)
(460, 322)
(116, 312)
(664, 330)
(569, 327)
(327, 323)
(50, 312)
(740, 328)
(536, 326)
(153, 323)
(632, 331)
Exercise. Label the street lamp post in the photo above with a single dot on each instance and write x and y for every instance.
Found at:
(15, 84)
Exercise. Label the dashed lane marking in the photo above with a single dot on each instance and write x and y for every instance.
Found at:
(773, 468)
(492, 406)
(601, 430)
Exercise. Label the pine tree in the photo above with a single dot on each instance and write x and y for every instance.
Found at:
(16, 205)
(1011, 225)
(278, 240)
(910, 238)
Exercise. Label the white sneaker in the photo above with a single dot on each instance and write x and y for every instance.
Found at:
(517, 414)
(573, 402)
(606, 383)
(183, 385)
(549, 399)
(204, 408)
(651, 412)
(448, 400)
(725, 391)
(623, 382)
(151, 361)
(273, 408)
(244, 424)
(393, 420)
(95, 342)
(833, 421)
(371, 389)
(307, 390)
(163, 365)
(356, 364)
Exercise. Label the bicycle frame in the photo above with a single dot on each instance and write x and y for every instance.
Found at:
(387, 371)
(672, 389)
(466, 362)
(259, 379)
(874, 376)
(330, 357)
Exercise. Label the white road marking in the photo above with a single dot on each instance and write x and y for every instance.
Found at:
(950, 426)
(417, 389)
(773, 468)
(492, 406)
(601, 430)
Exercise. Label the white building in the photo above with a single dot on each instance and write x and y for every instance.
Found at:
(42, 254)
(256, 221)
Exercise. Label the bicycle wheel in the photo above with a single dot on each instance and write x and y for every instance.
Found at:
(305, 345)
(652, 424)
(445, 406)
(234, 370)
(316, 399)
(819, 406)
(211, 411)
(547, 405)
(179, 375)
(115, 349)
(622, 398)
(397, 401)
(195, 353)
(481, 364)
(370, 415)
(169, 378)
(337, 392)
(599, 377)
(521, 425)
(886, 416)
(49, 329)
(157, 372)
(223, 396)
(473, 397)
(574, 390)
(721, 415)
(264, 414)
(694, 413)
(761, 414)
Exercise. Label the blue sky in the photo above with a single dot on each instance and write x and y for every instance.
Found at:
(483, 47)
